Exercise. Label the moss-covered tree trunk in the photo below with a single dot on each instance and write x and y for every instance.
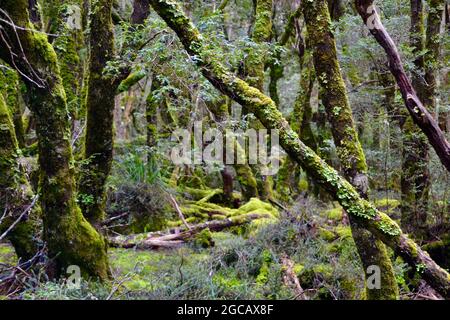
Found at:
(415, 174)
(366, 215)
(99, 140)
(151, 115)
(16, 195)
(10, 87)
(68, 25)
(101, 91)
(301, 117)
(255, 70)
(348, 147)
(70, 239)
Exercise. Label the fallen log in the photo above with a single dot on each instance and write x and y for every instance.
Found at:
(176, 237)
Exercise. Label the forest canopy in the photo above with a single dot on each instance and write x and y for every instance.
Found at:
(224, 149)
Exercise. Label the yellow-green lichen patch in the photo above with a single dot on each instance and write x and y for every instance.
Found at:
(7, 254)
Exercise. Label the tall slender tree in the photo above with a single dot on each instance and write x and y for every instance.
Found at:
(352, 159)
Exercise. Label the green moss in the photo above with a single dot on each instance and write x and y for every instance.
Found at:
(327, 235)
(255, 205)
(334, 214)
(7, 255)
(204, 239)
(131, 80)
(263, 275)
(344, 232)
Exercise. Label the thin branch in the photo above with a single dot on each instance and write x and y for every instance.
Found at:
(26, 211)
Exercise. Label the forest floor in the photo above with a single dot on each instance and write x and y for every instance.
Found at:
(236, 265)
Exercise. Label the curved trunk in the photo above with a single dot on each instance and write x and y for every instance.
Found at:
(71, 240)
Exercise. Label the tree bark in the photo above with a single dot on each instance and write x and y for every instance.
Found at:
(71, 240)
(98, 147)
(415, 182)
(266, 111)
(416, 109)
(140, 12)
(15, 192)
(348, 147)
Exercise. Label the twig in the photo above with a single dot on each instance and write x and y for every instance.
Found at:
(178, 210)
(26, 211)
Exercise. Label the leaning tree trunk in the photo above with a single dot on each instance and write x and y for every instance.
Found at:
(422, 118)
(71, 240)
(16, 195)
(383, 227)
(348, 147)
